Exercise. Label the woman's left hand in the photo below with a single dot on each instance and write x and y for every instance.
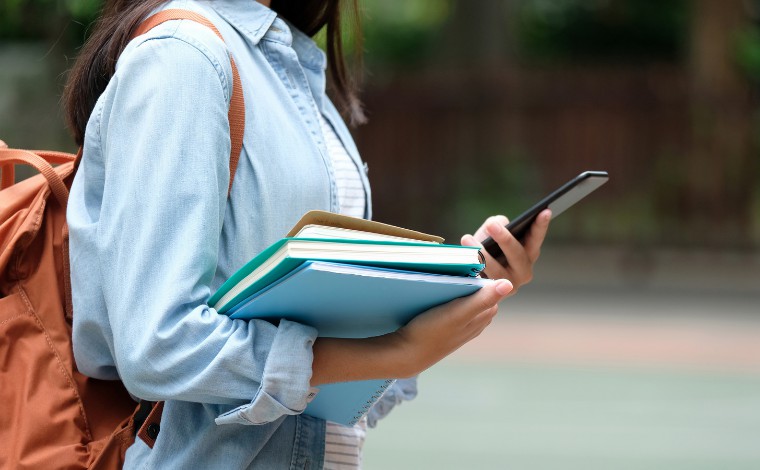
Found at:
(518, 266)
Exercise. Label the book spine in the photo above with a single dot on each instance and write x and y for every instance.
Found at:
(361, 412)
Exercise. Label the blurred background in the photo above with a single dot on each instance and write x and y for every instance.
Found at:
(638, 343)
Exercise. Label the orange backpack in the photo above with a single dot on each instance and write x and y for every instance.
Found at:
(52, 416)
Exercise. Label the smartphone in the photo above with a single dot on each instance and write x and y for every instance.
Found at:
(558, 201)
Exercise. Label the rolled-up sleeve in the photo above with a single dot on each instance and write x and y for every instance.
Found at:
(164, 136)
(278, 394)
(401, 391)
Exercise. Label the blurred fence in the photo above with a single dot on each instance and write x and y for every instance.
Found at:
(499, 139)
(447, 147)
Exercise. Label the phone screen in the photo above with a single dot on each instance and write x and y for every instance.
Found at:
(558, 201)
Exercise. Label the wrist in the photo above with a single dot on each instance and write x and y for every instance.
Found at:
(345, 359)
(399, 355)
(410, 355)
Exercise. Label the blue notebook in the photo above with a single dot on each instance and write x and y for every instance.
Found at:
(350, 301)
(288, 253)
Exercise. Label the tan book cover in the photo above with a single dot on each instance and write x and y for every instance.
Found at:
(331, 219)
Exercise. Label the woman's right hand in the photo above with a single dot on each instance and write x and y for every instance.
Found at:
(425, 340)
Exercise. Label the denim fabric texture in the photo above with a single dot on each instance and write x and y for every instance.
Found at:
(153, 234)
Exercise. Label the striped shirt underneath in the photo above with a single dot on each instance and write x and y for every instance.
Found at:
(351, 197)
(343, 444)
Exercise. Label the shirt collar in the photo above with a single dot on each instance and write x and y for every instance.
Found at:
(257, 21)
(249, 17)
(309, 54)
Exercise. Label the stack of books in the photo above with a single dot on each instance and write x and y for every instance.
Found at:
(349, 278)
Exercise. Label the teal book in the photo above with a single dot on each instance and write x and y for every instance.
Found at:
(351, 301)
(287, 254)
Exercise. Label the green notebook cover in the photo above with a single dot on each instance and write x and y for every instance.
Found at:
(289, 263)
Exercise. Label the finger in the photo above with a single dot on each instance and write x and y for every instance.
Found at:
(495, 268)
(480, 322)
(490, 295)
(513, 250)
(487, 315)
(481, 234)
(537, 234)
(488, 260)
(464, 309)
(469, 240)
(482, 300)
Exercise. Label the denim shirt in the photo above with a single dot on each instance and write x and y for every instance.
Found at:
(153, 234)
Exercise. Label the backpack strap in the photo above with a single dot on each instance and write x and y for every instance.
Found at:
(236, 113)
(145, 421)
(39, 160)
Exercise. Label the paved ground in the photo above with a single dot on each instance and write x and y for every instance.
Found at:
(694, 311)
(604, 362)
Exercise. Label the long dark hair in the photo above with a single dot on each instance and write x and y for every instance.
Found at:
(96, 63)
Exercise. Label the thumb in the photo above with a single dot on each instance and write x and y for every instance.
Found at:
(493, 293)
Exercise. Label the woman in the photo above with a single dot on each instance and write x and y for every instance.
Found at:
(154, 232)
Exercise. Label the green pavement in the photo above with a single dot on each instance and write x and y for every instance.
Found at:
(473, 415)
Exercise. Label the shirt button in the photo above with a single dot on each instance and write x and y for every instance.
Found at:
(153, 429)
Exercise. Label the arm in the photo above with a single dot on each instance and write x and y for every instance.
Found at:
(427, 339)
(165, 141)
(407, 352)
